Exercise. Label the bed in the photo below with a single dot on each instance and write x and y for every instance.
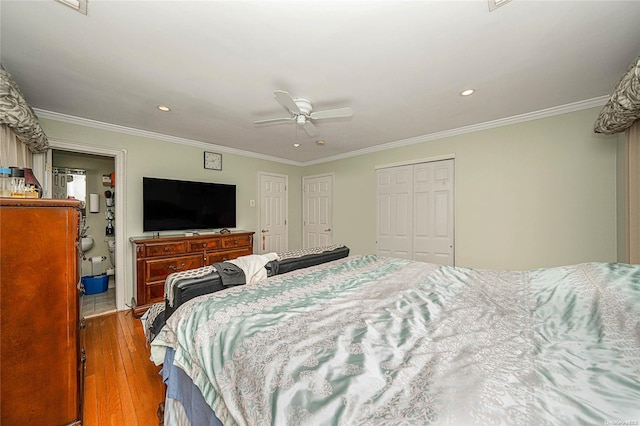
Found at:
(180, 287)
(385, 341)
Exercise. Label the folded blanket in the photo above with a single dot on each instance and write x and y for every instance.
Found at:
(230, 274)
(253, 266)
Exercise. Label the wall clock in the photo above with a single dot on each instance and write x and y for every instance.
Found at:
(212, 160)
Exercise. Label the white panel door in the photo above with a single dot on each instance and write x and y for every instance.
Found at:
(395, 208)
(433, 212)
(273, 236)
(317, 202)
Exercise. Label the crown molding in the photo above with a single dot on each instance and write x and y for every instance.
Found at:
(530, 116)
(521, 118)
(41, 113)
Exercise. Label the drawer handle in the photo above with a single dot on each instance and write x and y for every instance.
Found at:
(176, 268)
(235, 242)
(166, 249)
(204, 245)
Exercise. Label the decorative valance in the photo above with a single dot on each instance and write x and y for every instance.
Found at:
(18, 115)
(624, 106)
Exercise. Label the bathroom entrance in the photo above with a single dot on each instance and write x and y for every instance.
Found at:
(90, 178)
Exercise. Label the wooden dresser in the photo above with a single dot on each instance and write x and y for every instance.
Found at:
(156, 258)
(41, 361)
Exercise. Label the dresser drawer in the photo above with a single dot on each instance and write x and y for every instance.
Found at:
(223, 256)
(155, 292)
(236, 241)
(201, 245)
(161, 249)
(159, 269)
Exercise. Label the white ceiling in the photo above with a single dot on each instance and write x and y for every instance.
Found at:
(399, 64)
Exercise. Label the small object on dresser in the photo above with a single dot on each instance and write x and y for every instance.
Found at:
(5, 182)
(31, 192)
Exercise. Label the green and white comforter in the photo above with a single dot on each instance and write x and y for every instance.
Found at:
(382, 341)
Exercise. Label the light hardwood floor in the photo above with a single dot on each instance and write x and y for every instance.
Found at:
(122, 385)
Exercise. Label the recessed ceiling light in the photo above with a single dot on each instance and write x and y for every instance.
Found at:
(296, 145)
(320, 142)
(164, 108)
(467, 92)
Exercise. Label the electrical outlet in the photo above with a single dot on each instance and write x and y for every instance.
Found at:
(252, 203)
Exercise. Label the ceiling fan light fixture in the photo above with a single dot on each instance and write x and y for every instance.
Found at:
(301, 112)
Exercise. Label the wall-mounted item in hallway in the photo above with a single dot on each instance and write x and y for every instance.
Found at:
(108, 198)
(94, 203)
(109, 180)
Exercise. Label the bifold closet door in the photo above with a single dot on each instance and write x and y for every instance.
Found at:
(395, 207)
(415, 212)
(433, 212)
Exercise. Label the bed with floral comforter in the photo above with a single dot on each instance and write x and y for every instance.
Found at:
(375, 340)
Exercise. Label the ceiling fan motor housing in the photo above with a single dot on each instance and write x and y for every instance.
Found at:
(304, 105)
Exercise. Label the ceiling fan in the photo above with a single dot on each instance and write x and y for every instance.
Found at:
(301, 112)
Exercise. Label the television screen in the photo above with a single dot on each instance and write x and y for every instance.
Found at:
(172, 205)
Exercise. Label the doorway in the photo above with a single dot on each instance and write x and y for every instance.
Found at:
(80, 176)
(274, 209)
(123, 292)
(317, 211)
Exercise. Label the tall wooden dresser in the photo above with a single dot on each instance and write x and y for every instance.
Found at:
(41, 361)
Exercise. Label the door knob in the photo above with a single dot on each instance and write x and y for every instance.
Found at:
(265, 230)
(327, 230)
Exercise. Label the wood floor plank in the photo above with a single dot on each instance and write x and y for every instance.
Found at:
(123, 386)
(90, 401)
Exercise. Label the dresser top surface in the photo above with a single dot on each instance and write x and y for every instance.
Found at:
(208, 234)
(38, 202)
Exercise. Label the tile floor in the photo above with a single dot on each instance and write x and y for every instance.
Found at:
(103, 303)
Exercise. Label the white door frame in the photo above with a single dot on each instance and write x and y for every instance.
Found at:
(124, 288)
(258, 240)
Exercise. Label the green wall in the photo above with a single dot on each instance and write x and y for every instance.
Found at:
(534, 194)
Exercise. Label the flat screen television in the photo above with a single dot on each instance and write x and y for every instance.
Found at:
(174, 205)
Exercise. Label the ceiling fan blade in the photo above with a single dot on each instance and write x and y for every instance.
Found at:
(273, 120)
(310, 128)
(285, 99)
(332, 113)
